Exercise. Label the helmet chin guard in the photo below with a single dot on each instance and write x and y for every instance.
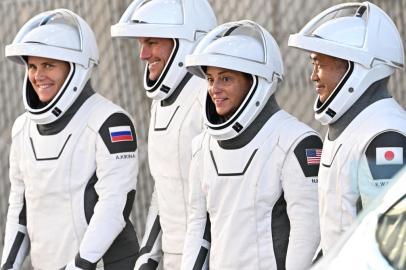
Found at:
(360, 33)
(246, 47)
(184, 21)
(62, 35)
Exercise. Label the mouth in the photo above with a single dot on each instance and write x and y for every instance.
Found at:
(219, 101)
(152, 64)
(319, 88)
(44, 86)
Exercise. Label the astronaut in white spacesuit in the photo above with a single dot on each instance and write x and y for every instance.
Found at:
(73, 158)
(355, 48)
(166, 31)
(253, 177)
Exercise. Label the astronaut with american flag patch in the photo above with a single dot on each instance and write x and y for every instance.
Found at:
(353, 55)
(73, 158)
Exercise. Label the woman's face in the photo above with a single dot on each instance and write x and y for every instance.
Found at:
(47, 76)
(227, 89)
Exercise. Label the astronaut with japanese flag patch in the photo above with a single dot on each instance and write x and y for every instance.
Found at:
(354, 48)
(73, 157)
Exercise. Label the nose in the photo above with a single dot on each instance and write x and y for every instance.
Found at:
(145, 52)
(215, 87)
(39, 74)
(313, 76)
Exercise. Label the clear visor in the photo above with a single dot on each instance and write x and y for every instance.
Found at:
(250, 30)
(340, 21)
(57, 29)
(144, 11)
(239, 46)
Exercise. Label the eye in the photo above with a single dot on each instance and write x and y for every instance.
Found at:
(226, 79)
(210, 80)
(48, 66)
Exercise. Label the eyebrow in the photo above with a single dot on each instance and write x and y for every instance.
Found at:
(220, 73)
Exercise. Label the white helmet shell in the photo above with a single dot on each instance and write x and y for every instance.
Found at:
(185, 21)
(246, 47)
(62, 35)
(361, 33)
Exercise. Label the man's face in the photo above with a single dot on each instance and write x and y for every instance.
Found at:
(327, 73)
(156, 52)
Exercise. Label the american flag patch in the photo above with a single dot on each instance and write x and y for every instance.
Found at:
(313, 156)
(121, 134)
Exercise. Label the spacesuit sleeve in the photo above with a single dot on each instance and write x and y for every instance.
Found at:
(299, 183)
(382, 158)
(198, 238)
(116, 170)
(151, 247)
(16, 243)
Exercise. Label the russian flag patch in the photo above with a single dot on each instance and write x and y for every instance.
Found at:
(121, 134)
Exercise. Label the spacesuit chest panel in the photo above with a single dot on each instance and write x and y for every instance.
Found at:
(241, 187)
(51, 160)
(171, 131)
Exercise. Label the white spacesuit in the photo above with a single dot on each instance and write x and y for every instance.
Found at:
(73, 160)
(253, 178)
(366, 140)
(176, 117)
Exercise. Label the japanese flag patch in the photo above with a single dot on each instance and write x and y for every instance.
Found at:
(120, 134)
(389, 155)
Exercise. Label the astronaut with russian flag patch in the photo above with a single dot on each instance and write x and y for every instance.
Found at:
(354, 49)
(73, 157)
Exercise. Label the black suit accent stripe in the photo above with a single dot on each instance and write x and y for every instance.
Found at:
(129, 205)
(280, 226)
(207, 231)
(84, 264)
(201, 257)
(153, 235)
(150, 265)
(18, 241)
(50, 158)
(22, 217)
(90, 197)
(233, 174)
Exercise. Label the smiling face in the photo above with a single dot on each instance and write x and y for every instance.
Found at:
(156, 52)
(47, 76)
(327, 73)
(227, 89)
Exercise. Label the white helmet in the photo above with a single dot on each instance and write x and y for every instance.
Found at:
(361, 33)
(184, 21)
(246, 47)
(58, 34)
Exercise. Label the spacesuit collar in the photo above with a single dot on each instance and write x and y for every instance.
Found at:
(270, 108)
(377, 91)
(61, 123)
(172, 98)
